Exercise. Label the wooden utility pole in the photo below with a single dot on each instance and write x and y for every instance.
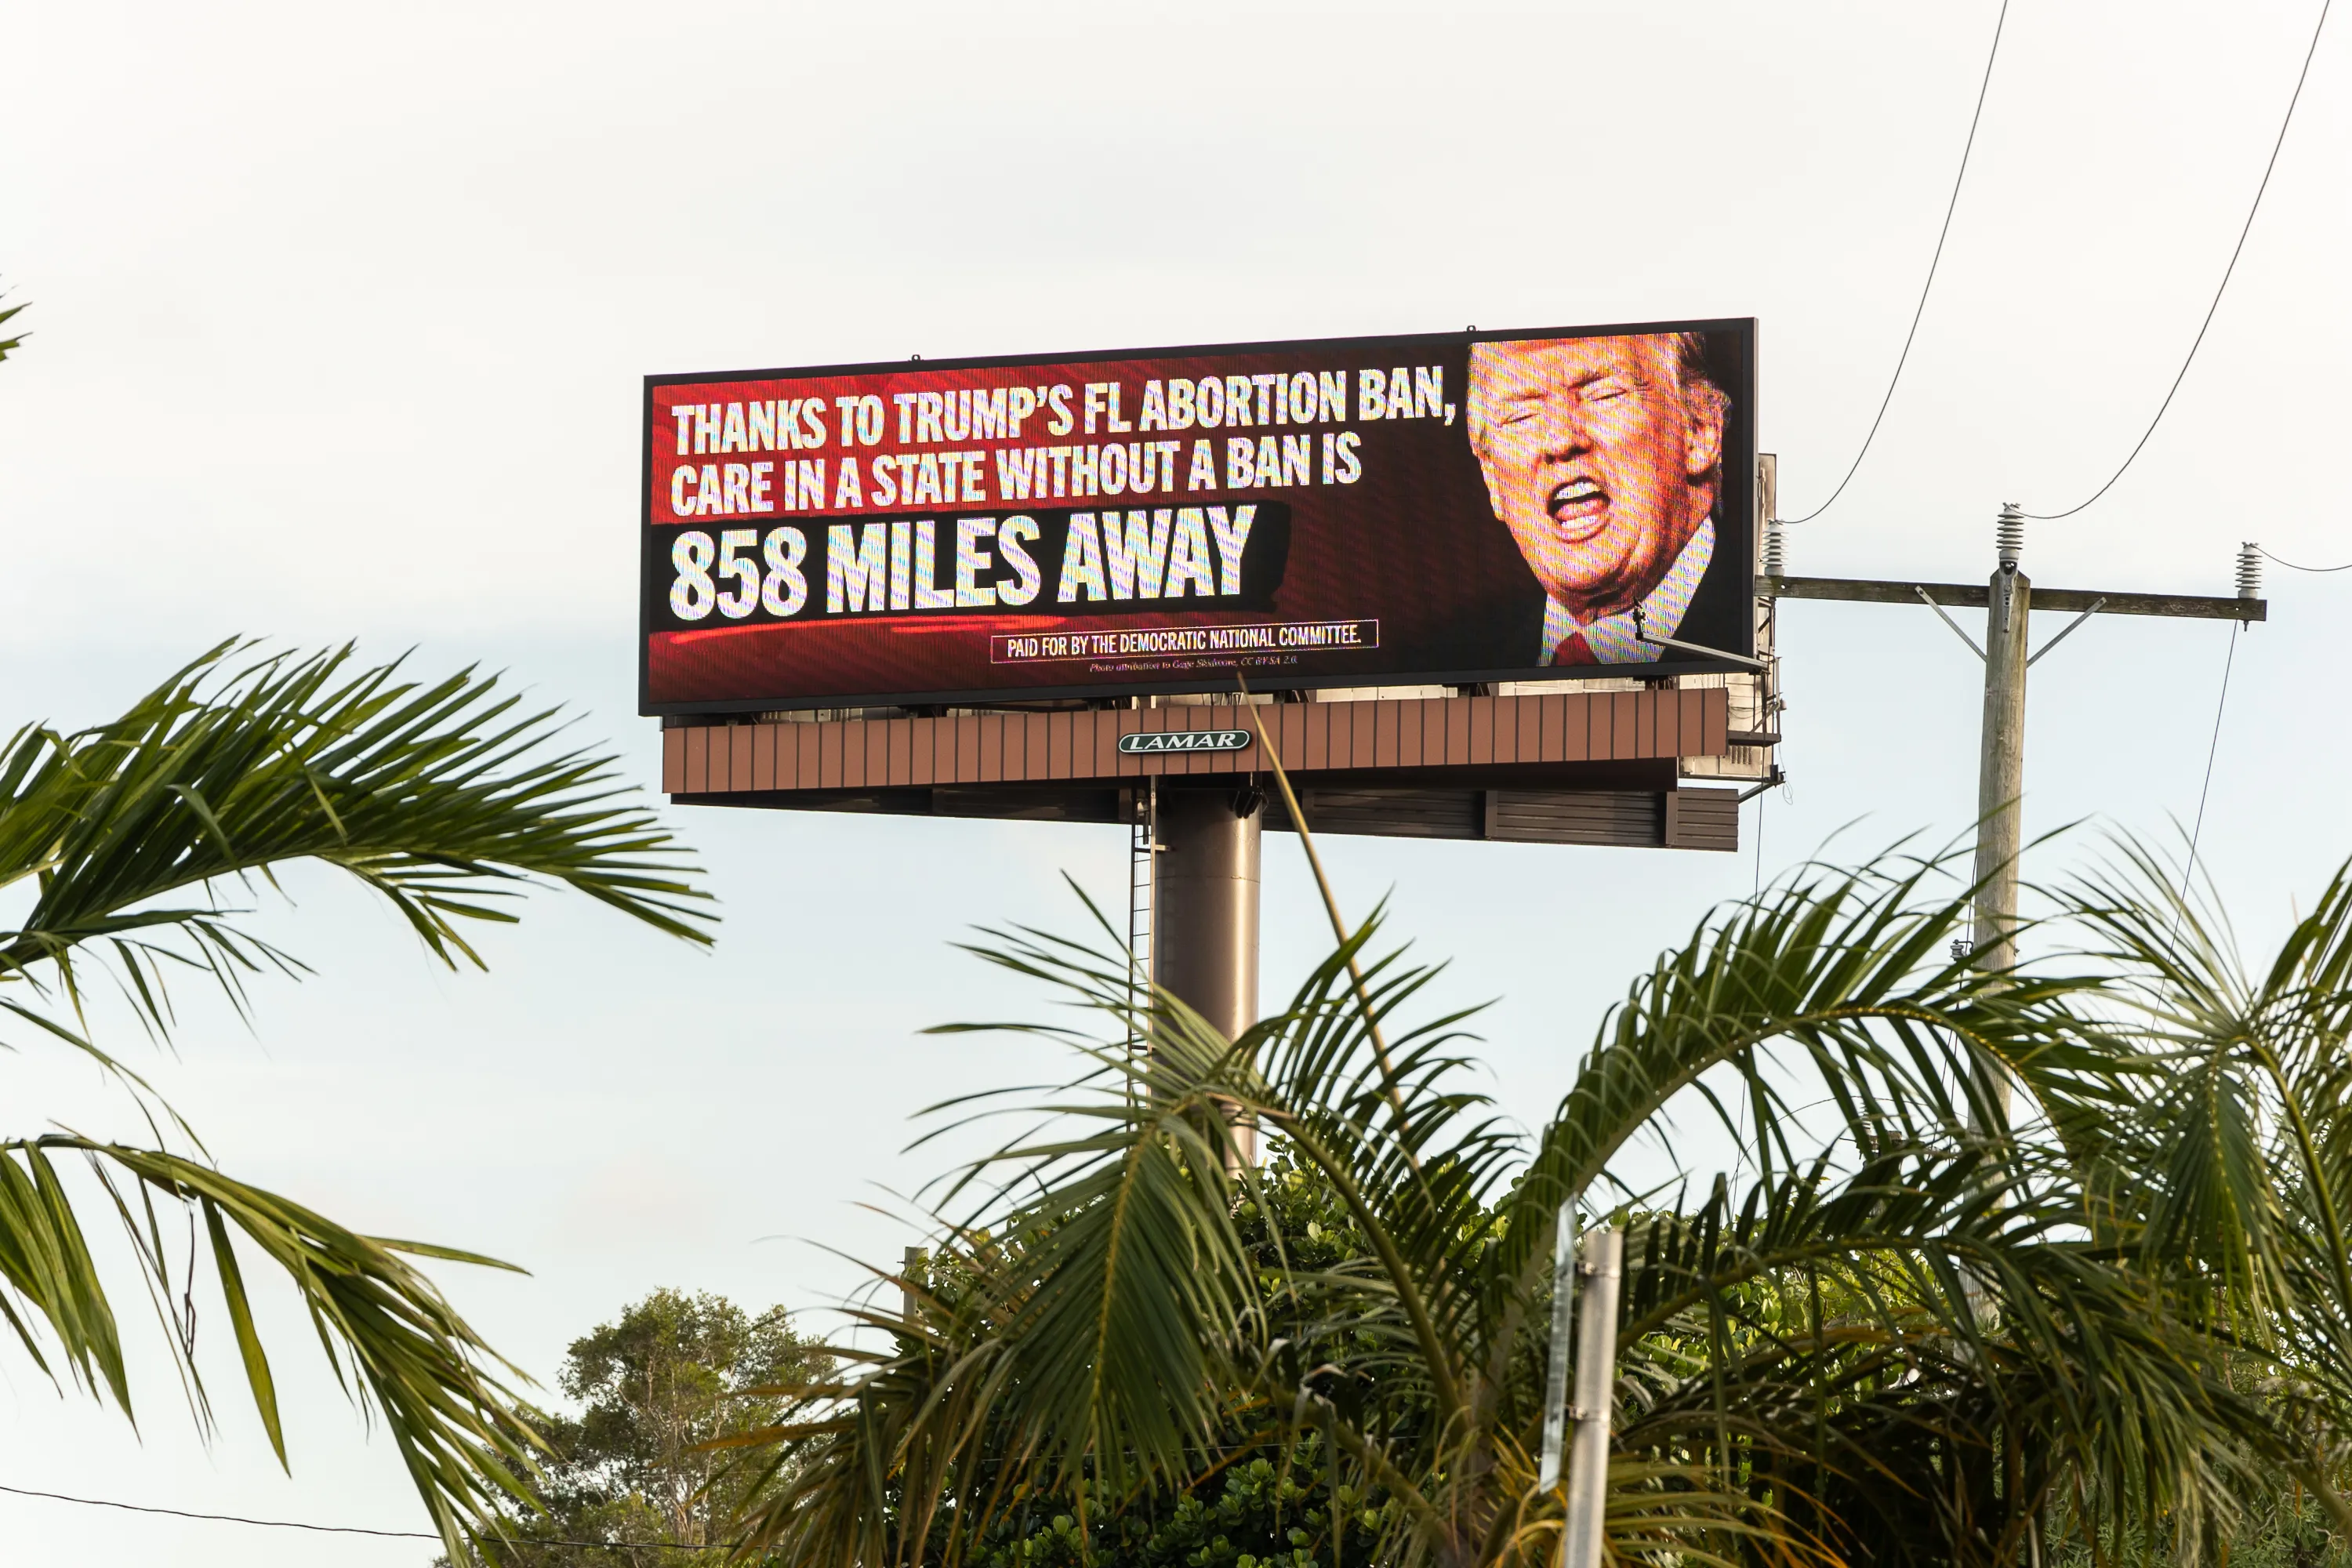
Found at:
(2008, 597)
(2001, 754)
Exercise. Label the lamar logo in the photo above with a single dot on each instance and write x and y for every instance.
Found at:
(1186, 741)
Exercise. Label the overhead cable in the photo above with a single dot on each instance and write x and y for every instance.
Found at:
(2236, 251)
(1934, 262)
(2292, 567)
(347, 1529)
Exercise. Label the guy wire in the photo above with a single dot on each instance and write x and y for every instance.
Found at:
(2205, 789)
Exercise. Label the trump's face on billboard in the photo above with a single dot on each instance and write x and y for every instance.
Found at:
(1602, 456)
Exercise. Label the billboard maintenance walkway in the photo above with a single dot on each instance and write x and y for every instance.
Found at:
(1569, 766)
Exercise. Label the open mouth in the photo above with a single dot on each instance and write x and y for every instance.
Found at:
(1579, 508)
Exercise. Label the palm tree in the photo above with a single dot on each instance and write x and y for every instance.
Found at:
(127, 838)
(1908, 1326)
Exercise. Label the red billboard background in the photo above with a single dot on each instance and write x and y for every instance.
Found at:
(905, 532)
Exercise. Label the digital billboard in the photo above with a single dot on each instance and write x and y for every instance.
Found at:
(1446, 508)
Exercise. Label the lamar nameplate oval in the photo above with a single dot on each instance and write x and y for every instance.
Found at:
(1185, 741)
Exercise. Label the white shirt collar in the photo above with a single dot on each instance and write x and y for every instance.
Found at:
(1611, 637)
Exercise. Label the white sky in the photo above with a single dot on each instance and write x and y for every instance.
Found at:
(340, 319)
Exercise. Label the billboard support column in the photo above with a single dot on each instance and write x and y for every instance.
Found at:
(1204, 936)
(2001, 765)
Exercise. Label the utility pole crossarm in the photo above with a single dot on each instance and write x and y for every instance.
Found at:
(2008, 597)
(1975, 595)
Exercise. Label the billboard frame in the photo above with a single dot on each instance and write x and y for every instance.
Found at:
(1741, 436)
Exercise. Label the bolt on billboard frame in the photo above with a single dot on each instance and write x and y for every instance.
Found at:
(1439, 509)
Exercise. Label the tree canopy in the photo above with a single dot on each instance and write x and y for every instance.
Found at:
(641, 1474)
(1911, 1323)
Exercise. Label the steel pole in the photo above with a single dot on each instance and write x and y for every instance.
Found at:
(1205, 934)
(1596, 1387)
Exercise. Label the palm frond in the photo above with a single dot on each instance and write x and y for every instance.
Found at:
(441, 797)
(10, 344)
(1910, 1321)
(446, 798)
(396, 1344)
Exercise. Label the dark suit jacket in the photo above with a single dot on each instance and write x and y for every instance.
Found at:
(1716, 618)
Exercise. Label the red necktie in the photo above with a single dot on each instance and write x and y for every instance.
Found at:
(1574, 650)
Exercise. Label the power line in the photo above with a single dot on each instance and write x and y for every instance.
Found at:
(346, 1529)
(1941, 234)
(2292, 567)
(224, 1517)
(2247, 229)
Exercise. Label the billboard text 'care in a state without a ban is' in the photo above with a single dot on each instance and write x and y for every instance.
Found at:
(1453, 507)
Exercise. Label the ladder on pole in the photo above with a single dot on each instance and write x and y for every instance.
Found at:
(1142, 900)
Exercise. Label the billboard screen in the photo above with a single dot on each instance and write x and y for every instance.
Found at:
(1445, 507)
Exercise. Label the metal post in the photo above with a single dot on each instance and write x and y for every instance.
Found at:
(1204, 925)
(2001, 765)
(913, 1275)
(1596, 1384)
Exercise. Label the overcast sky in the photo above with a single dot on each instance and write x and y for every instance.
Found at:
(340, 316)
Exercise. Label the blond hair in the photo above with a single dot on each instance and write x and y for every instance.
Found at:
(1685, 352)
